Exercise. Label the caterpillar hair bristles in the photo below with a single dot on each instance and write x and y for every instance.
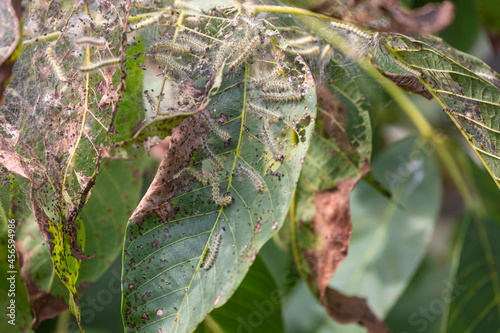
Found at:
(288, 96)
(214, 128)
(352, 29)
(100, 64)
(246, 52)
(91, 41)
(277, 84)
(166, 45)
(212, 252)
(55, 65)
(264, 112)
(212, 156)
(269, 142)
(252, 176)
(405, 67)
(171, 63)
(221, 201)
(274, 74)
(194, 42)
(196, 174)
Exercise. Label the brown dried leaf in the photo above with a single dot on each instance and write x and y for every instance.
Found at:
(387, 15)
(349, 309)
(10, 159)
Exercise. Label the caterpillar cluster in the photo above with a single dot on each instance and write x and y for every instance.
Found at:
(196, 174)
(220, 58)
(169, 46)
(221, 201)
(212, 156)
(55, 65)
(212, 252)
(245, 53)
(100, 64)
(269, 142)
(194, 42)
(214, 128)
(253, 176)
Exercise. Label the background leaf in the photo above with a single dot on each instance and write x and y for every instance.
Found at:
(390, 236)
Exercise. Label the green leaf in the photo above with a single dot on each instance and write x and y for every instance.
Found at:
(466, 88)
(389, 240)
(167, 238)
(256, 305)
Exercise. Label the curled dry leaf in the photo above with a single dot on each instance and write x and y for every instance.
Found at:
(388, 15)
(346, 309)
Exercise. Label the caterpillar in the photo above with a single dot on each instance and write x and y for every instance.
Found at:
(277, 84)
(253, 176)
(194, 42)
(147, 22)
(302, 41)
(352, 29)
(214, 128)
(407, 68)
(210, 154)
(264, 112)
(274, 74)
(212, 252)
(91, 41)
(221, 56)
(246, 52)
(100, 64)
(221, 201)
(196, 174)
(288, 96)
(151, 102)
(326, 52)
(55, 65)
(164, 45)
(185, 5)
(303, 51)
(171, 63)
(270, 144)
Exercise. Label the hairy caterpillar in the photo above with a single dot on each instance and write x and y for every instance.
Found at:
(253, 176)
(263, 111)
(185, 5)
(55, 65)
(171, 63)
(246, 52)
(303, 51)
(100, 64)
(91, 41)
(196, 174)
(405, 67)
(270, 144)
(212, 156)
(162, 46)
(147, 22)
(195, 42)
(274, 74)
(277, 84)
(214, 128)
(352, 29)
(288, 96)
(221, 201)
(212, 252)
(301, 41)
(221, 56)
